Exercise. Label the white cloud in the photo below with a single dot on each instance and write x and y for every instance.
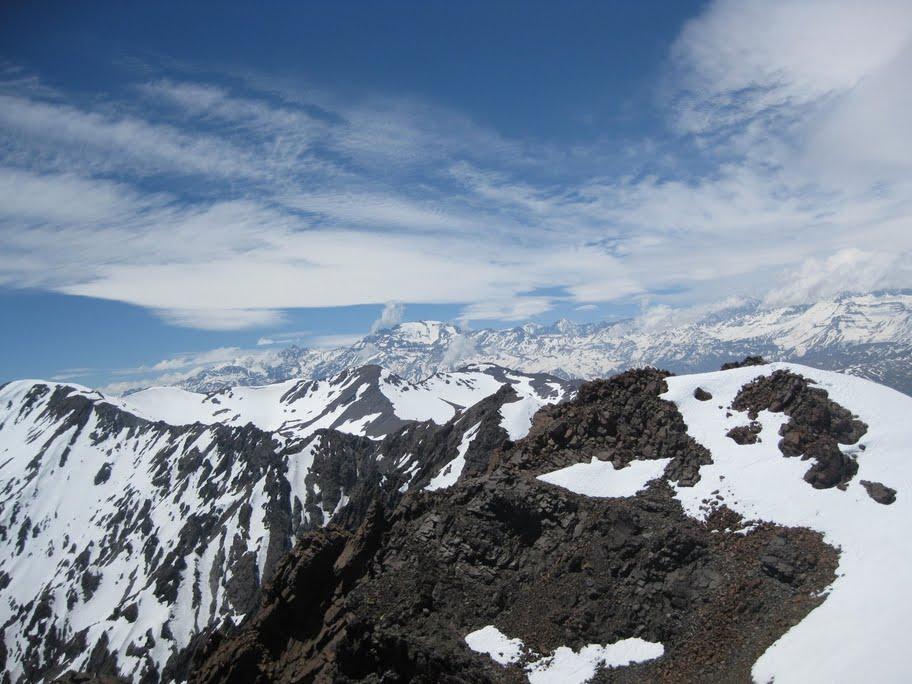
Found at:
(789, 118)
(222, 319)
(507, 309)
(95, 140)
(657, 317)
(848, 270)
(186, 360)
(293, 336)
(459, 351)
(390, 316)
(741, 58)
(372, 210)
(333, 341)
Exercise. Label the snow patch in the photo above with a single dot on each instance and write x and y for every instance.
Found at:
(564, 666)
(496, 644)
(567, 666)
(450, 473)
(602, 479)
(516, 417)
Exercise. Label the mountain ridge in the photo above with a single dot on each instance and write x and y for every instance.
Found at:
(869, 335)
(482, 506)
(129, 525)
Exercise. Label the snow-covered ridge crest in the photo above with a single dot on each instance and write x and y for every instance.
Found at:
(369, 400)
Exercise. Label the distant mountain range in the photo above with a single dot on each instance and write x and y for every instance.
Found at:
(868, 335)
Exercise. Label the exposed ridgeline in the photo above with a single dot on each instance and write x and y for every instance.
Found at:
(626, 538)
(610, 544)
(725, 526)
(127, 527)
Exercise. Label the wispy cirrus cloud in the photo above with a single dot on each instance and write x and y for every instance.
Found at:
(221, 205)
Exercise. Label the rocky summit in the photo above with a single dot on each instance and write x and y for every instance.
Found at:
(484, 526)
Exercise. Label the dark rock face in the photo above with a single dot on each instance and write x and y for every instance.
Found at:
(393, 599)
(701, 394)
(879, 492)
(103, 474)
(747, 361)
(831, 467)
(816, 427)
(619, 420)
(746, 434)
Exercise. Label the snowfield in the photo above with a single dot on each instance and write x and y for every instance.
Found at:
(564, 666)
(303, 406)
(601, 478)
(861, 631)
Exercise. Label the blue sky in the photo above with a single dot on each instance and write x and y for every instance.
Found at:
(190, 179)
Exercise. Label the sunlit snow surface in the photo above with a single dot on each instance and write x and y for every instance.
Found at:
(601, 478)
(861, 631)
(314, 404)
(496, 644)
(564, 666)
(517, 415)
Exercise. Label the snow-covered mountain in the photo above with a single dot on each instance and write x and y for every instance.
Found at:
(743, 525)
(487, 524)
(129, 526)
(867, 335)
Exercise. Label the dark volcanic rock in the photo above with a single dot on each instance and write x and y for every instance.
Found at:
(816, 426)
(393, 600)
(879, 492)
(103, 474)
(746, 434)
(831, 467)
(619, 420)
(701, 394)
(747, 361)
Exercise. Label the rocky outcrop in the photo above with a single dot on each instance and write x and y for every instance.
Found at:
(745, 434)
(817, 425)
(879, 492)
(701, 394)
(394, 599)
(745, 362)
(619, 420)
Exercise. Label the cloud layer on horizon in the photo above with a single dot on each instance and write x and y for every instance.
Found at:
(220, 205)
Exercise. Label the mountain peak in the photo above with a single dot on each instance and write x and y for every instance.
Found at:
(868, 334)
(422, 332)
